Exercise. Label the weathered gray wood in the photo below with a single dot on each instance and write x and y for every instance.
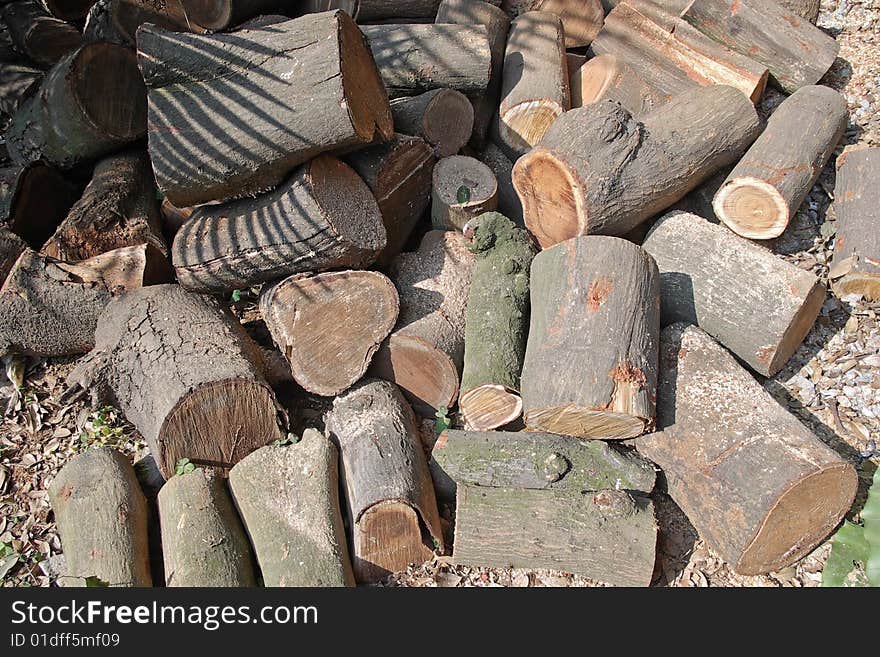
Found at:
(443, 117)
(462, 188)
(117, 21)
(582, 19)
(11, 247)
(17, 83)
(508, 202)
(609, 77)
(757, 305)
(34, 199)
(806, 9)
(40, 37)
(759, 487)
(219, 15)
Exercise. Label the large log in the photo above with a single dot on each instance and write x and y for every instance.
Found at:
(771, 181)
(583, 375)
(385, 474)
(502, 168)
(379, 10)
(17, 83)
(34, 199)
(186, 377)
(761, 317)
(322, 217)
(102, 518)
(759, 487)
(582, 19)
(563, 183)
(462, 188)
(796, 52)
(117, 21)
(609, 77)
(69, 10)
(443, 117)
(236, 128)
(11, 247)
(91, 103)
(41, 38)
(216, 15)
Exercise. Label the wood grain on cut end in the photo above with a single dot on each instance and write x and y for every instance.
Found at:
(488, 407)
(100, 67)
(524, 124)
(585, 422)
(387, 538)
(552, 209)
(752, 208)
(462, 188)
(210, 14)
(444, 117)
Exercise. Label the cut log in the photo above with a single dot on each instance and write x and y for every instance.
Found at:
(187, 378)
(216, 15)
(288, 497)
(102, 518)
(117, 21)
(91, 103)
(607, 77)
(51, 308)
(582, 375)
(398, 173)
(416, 58)
(662, 12)
(806, 9)
(796, 52)
(502, 168)
(563, 183)
(377, 10)
(217, 133)
(759, 487)
(40, 37)
(582, 19)
(303, 314)
(203, 541)
(534, 87)
(392, 508)
(117, 209)
(496, 322)
(324, 216)
(500, 459)
(609, 536)
(17, 84)
(762, 318)
(68, 10)
(771, 181)
(462, 188)
(173, 218)
(34, 199)
(11, 247)
(151, 482)
(443, 117)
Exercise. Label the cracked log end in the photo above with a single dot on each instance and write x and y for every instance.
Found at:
(585, 422)
(752, 208)
(488, 407)
(551, 205)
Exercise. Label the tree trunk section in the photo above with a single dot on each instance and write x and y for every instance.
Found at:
(40, 37)
(582, 19)
(806, 9)
(17, 83)
(608, 77)
(217, 15)
(502, 168)
(11, 247)
(34, 199)
(462, 188)
(68, 10)
(117, 21)
(443, 117)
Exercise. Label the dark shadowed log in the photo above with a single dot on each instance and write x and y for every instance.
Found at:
(462, 188)
(759, 487)
(151, 482)
(17, 83)
(609, 77)
(8, 53)
(218, 15)
(117, 21)
(378, 10)
(69, 10)
(236, 130)
(443, 117)
(11, 246)
(508, 202)
(582, 19)
(34, 199)
(40, 37)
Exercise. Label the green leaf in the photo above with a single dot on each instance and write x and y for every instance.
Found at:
(95, 582)
(849, 551)
(236, 296)
(182, 465)
(871, 518)
(463, 195)
(442, 423)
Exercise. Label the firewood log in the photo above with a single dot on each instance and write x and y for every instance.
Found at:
(34, 199)
(102, 518)
(386, 480)
(759, 487)
(324, 216)
(771, 181)
(17, 84)
(534, 86)
(855, 267)
(151, 482)
(91, 103)
(806, 9)
(443, 117)
(496, 322)
(584, 376)
(187, 378)
(117, 21)
(263, 120)
(502, 168)
(296, 530)
(762, 318)
(302, 313)
(365, 11)
(796, 52)
(11, 247)
(662, 12)
(203, 541)
(173, 218)
(609, 77)
(219, 15)
(40, 37)
(563, 183)
(68, 10)
(462, 188)
(582, 19)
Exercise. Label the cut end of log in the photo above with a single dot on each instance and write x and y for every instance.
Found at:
(545, 186)
(102, 66)
(522, 126)
(457, 175)
(388, 538)
(797, 330)
(488, 407)
(448, 121)
(752, 208)
(868, 285)
(585, 423)
(593, 79)
(210, 14)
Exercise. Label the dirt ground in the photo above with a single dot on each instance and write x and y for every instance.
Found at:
(832, 384)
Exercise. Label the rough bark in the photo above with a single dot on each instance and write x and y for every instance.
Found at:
(203, 541)
(590, 367)
(386, 480)
(17, 83)
(303, 315)
(185, 373)
(322, 217)
(563, 183)
(102, 518)
(462, 188)
(771, 181)
(219, 131)
(757, 305)
(41, 38)
(378, 10)
(608, 77)
(67, 10)
(34, 199)
(11, 247)
(443, 117)
(288, 497)
(806, 9)
(759, 487)
(502, 168)
(117, 21)
(582, 19)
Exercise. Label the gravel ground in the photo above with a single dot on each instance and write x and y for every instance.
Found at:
(832, 384)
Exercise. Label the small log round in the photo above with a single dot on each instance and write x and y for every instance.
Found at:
(117, 21)
(582, 19)
(42, 38)
(443, 117)
(462, 188)
(217, 15)
(609, 77)
(34, 199)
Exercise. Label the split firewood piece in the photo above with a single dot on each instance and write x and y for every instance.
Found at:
(757, 485)
(662, 12)
(534, 87)
(419, 57)
(496, 322)
(332, 98)
(302, 313)
(462, 188)
(701, 282)
(534, 460)
(34, 199)
(51, 308)
(91, 103)
(117, 21)
(424, 354)
(771, 181)
(855, 267)
(502, 168)
(806, 9)
(609, 77)
(324, 216)
(17, 83)
(11, 247)
(584, 376)
(610, 536)
(796, 52)
(582, 19)
(392, 508)
(365, 11)
(102, 518)
(297, 531)
(40, 37)
(151, 482)
(218, 15)
(563, 183)
(187, 378)
(118, 208)
(443, 117)
(203, 541)
(68, 10)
